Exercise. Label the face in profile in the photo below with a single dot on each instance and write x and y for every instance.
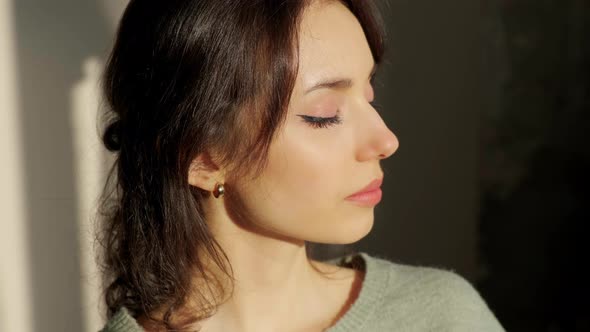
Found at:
(331, 143)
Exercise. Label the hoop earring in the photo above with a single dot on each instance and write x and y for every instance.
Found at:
(219, 190)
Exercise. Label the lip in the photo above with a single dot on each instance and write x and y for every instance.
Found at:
(372, 186)
(370, 195)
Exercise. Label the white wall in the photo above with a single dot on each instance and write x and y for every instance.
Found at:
(15, 295)
(51, 164)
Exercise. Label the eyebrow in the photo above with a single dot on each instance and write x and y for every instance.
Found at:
(339, 83)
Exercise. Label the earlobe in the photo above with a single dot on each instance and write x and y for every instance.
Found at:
(203, 173)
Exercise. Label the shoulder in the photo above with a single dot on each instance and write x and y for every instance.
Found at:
(122, 321)
(429, 298)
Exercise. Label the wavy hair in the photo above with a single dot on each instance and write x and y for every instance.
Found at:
(185, 77)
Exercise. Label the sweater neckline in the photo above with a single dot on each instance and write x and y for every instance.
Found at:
(370, 296)
(358, 314)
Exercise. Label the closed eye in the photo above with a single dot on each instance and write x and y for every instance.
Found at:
(320, 122)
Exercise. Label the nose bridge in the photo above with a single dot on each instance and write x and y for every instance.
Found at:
(376, 140)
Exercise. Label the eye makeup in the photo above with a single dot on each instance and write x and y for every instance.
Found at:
(325, 122)
(321, 122)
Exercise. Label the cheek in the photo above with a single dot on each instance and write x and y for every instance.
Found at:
(303, 172)
(300, 172)
(307, 184)
(301, 192)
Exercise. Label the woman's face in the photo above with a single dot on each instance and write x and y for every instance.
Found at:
(313, 168)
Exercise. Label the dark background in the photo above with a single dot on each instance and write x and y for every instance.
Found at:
(490, 102)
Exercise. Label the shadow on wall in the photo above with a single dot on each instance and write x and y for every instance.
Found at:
(53, 40)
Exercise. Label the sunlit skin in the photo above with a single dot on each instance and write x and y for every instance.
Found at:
(301, 194)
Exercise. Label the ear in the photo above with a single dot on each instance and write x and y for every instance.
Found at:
(204, 173)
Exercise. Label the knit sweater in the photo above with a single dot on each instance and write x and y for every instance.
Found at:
(394, 297)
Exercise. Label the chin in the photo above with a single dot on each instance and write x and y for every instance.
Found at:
(348, 232)
(357, 236)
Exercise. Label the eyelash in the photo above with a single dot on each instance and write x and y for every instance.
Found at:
(318, 122)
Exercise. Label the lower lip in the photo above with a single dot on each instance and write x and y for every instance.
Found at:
(369, 198)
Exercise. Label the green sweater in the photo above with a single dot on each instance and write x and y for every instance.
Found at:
(395, 297)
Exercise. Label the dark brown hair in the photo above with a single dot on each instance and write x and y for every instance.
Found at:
(186, 77)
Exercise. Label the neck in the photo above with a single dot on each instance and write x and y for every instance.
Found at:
(275, 283)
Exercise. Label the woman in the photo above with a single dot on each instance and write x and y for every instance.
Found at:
(243, 130)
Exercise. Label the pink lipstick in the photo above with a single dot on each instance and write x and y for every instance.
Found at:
(370, 195)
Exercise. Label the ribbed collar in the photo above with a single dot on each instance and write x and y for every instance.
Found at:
(370, 297)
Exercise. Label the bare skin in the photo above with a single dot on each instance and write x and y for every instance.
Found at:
(301, 195)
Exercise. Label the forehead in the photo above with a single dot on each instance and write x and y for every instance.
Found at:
(331, 43)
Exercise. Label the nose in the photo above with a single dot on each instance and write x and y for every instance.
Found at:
(388, 144)
(380, 141)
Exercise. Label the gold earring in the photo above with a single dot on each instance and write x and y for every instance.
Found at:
(219, 190)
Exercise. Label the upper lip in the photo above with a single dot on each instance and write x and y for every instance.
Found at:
(373, 185)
